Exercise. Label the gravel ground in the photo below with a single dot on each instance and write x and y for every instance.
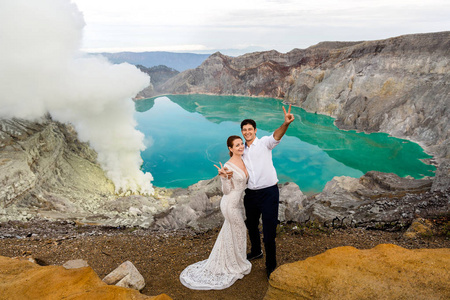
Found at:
(161, 256)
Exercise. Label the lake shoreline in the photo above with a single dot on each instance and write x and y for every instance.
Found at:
(201, 107)
(431, 161)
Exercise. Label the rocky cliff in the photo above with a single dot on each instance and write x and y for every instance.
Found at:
(399, 85)
(45, 171)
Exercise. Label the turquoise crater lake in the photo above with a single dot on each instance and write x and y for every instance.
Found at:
(186, 135)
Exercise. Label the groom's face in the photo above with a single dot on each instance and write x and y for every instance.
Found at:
(248, 132)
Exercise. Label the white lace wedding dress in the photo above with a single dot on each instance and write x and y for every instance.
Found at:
(228, 260)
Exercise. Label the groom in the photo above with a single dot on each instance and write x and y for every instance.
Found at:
(262, 194)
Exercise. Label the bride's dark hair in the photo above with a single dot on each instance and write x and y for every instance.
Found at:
(230, 141)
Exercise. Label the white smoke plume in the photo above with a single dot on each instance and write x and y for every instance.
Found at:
(43, 71)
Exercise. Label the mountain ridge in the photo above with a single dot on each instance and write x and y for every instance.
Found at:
(397, 85)
(177, 61)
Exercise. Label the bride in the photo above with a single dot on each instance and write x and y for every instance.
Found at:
(227, 261)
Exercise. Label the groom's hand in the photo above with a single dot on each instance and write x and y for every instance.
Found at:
(288, 117)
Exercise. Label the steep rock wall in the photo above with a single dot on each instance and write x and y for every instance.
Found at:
(400, 85)
(44, 168)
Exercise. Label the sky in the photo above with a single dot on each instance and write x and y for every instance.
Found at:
(200, 26)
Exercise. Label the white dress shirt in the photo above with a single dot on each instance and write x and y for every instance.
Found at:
(258, 161)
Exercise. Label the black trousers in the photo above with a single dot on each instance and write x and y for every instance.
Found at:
(263, 202)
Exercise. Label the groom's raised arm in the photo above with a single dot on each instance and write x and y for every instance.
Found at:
(288, 119)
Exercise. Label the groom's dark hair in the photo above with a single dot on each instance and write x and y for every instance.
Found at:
(248, 121)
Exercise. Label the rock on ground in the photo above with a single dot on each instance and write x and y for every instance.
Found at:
(75, 264)
(384, 272)
(419, 227)
(126, 275)
(292, 201)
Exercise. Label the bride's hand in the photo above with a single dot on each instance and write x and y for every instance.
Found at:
(224, 172)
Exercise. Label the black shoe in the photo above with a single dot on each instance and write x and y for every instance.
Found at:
(252, 256)
(269, 271)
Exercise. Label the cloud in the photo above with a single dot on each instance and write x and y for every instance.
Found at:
(272, 24)
(42, 70)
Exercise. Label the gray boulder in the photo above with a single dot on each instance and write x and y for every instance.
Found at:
(126, 275)
(292, 202)
(75, 264)
(197, 207)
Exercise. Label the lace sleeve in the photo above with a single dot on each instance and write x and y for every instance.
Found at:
(227, 185)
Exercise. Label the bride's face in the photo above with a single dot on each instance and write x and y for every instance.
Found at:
(238, 147)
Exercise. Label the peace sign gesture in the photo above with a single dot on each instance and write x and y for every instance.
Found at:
(288, 117)
(223, 171)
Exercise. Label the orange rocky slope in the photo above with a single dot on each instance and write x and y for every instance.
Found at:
(21, 279)
(383, 272)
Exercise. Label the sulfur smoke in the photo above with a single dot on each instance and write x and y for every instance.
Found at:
(42, 70)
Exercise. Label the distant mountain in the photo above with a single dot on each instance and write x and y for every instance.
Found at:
(233, 52)
(158, 74)
(177, 61)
